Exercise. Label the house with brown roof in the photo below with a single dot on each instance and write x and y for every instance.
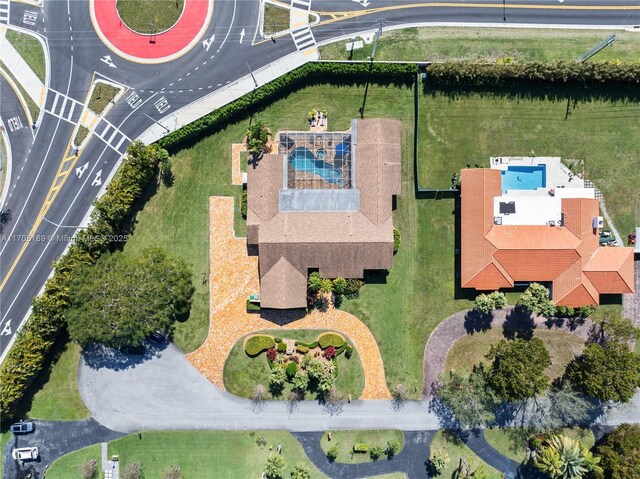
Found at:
(517, 228)
(323, 202)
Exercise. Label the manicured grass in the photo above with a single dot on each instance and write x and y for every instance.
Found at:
(149, 16)
(177, 218)
(30, 50)
(34, 110)
(490, 44)
(83, 131)
(344, 441)
(471, 349)
(68, 466)
(102, 94)
(276, 19)
(215, 454)
(469, 127)
(59, 399)
(511, 442)
(242, 373)
(457, 449)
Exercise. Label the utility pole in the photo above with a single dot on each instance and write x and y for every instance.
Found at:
(251, 72)
(375, 43)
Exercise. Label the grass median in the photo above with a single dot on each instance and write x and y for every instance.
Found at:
(276, 19)
(489, 44)
(30, 49)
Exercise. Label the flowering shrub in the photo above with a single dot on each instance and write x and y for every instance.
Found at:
(330, 352)
(271, 354)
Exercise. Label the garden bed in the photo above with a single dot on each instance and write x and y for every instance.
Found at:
(344, 442)
(252, 362)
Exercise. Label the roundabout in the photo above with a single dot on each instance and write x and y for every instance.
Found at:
(151, 46)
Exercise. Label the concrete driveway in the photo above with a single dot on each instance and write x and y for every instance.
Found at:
(163, 391)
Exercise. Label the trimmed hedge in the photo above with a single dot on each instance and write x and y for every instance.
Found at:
(29, 353)
(360, 447)
(307, 74)
(307, 345)
(331, 339)
(281, 348)
(455, 74)
(258, 344)
(302, 349)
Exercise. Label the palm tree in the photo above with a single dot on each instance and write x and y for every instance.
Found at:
(564, 458)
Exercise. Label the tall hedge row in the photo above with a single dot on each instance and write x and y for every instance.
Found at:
(534, 73)
(307, 74)
(34, 342)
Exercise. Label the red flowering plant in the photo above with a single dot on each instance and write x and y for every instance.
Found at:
(330, 352)
(271, 354)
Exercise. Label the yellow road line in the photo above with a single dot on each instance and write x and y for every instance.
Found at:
(61, 177)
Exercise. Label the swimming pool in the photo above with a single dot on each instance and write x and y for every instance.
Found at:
(303, 159)
(524, 177)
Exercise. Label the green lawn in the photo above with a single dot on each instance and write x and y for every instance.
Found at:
(102, 94)
(276, 19)
(471, 349)
(490, 44)
(470, 127)
(344, 441)
(34, 110)
(68, 466)
(30, 49)
(242, 373)
(149, 16)
(215, 454)
(457, 449)
(511, 442)
(58, 399)
(4, 438)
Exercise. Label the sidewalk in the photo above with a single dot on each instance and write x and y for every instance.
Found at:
(25, 75)
(224, 95)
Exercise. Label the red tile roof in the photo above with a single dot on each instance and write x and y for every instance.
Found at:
(568, 256)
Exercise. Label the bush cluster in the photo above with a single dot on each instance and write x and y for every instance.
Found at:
(360, 447)
(258, 344)
(330, 339)
(33, 343)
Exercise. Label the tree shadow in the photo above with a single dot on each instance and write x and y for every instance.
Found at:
(5, 218)
(518, 324)
(99, 356)
(476, 321)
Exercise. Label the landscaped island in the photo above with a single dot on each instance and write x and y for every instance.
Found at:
(294, 365)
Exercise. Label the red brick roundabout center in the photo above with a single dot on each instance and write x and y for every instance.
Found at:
(151, 48)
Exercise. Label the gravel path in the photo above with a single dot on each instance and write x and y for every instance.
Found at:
(467, 322)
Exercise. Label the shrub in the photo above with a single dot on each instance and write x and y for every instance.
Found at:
(243, 203)
(325, 285)
(376, 452)
(393, 448)
(339, 285)
(301, 380)
(89, 470)
(330, 339)
(300, 471)
(258, 344)
(438, 460)
(277, 340)
(360, 447)
(272, 354)
(485, 303)
(133, 471)
(252, 306)
(330, 352)
(257, 138)
(173, 472)
(353, 287)
(620, 453)
(536, 300)
(275, 466)
(281, 347)
(348, 352)
(315, 282)
(332, 453)
(586, 311)
(302, 349)
(291, 370)
(307, 345)
(396, 240)
(277, 378)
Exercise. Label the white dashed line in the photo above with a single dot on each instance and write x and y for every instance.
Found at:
(179, 79)
(171, 84)
(219, 84)
(197, 68)
(204, 62)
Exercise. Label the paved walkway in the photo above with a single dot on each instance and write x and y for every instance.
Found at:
(21, 70)
(54, 439)
(463, 323)
(631, 302)
(233, 277)
(411, 460)
(111, 468)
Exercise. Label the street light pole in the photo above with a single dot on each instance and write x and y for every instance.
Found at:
(375, 43)
(251, 72)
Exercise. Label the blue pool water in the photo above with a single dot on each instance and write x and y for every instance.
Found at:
(524, 177)
(303, 159)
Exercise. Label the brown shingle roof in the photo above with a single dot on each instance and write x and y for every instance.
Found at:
(335, 242)
(569, 256)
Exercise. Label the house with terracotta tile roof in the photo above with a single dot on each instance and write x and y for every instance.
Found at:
(530, 219)
(323, 202)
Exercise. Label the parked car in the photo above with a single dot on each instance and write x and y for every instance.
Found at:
(25, 453)
(22, 427)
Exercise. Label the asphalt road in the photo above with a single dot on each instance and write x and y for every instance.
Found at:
(44, 215)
